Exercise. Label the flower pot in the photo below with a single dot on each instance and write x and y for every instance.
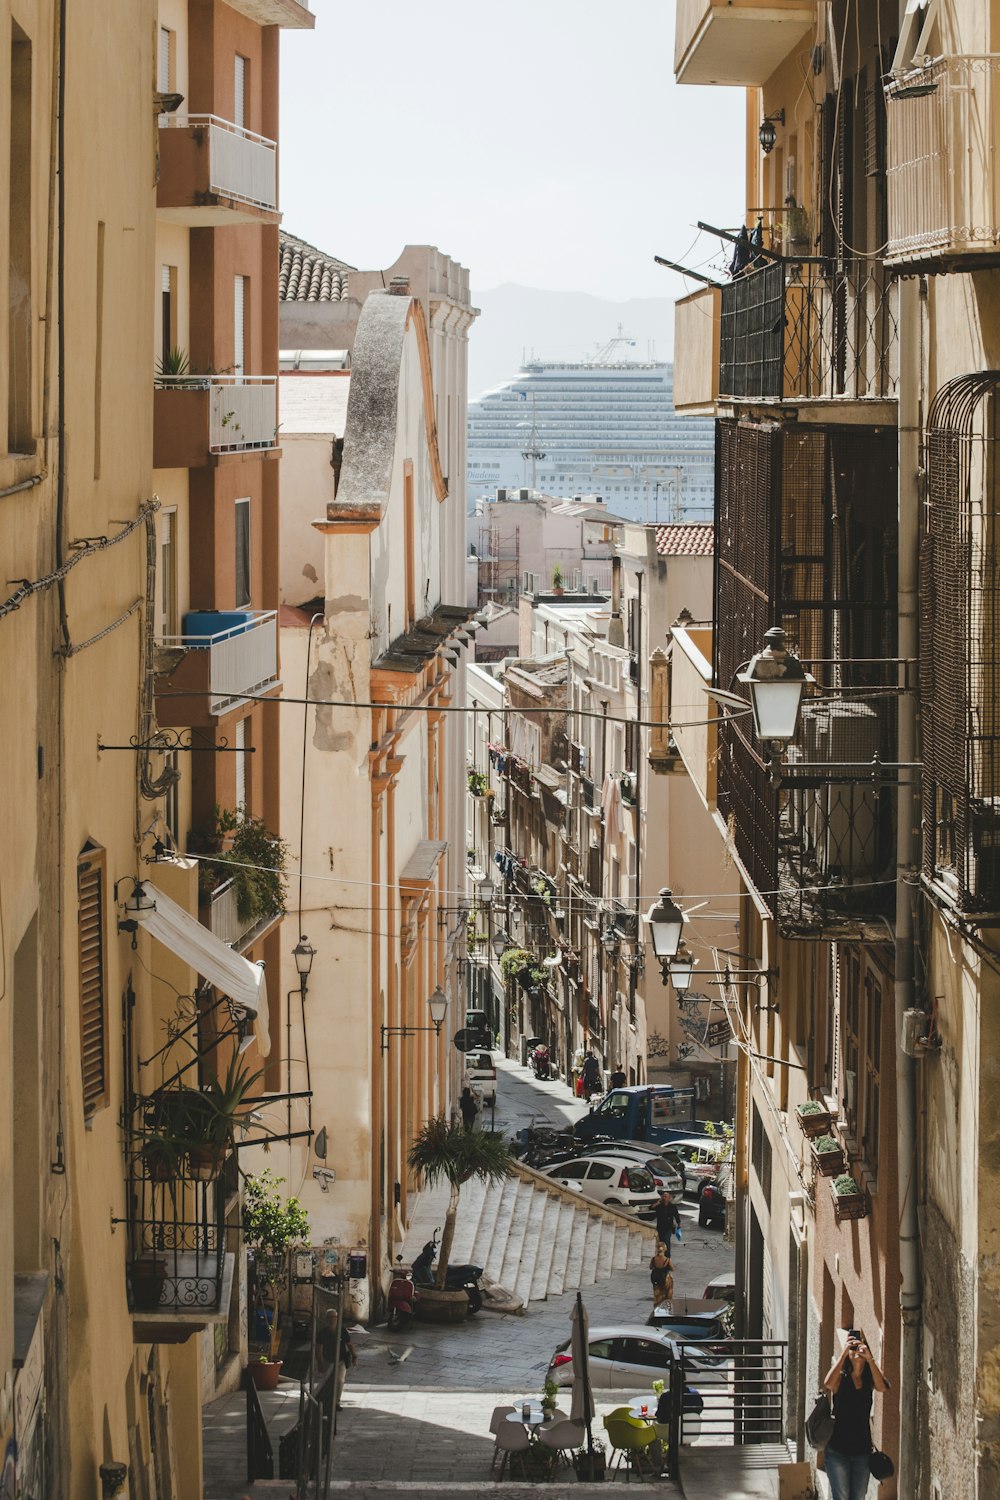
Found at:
(590, 1470)
(148, 1275)
(437, 1306)
(815, 1123)
(205, 1162)
(265, 1374)
(849, 1205)
(829, 1163)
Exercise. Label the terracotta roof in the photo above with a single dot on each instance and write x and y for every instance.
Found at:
(306, 274)
(694, 540)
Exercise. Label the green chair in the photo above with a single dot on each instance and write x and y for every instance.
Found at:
(629, 1438)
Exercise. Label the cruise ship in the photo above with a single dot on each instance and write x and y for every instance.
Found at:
(604, 428)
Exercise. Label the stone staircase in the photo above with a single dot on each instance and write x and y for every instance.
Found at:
(532, 1236)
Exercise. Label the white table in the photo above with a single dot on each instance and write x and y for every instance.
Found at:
(644, 1407)
(535, 1416)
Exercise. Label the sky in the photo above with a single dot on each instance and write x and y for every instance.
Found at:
(541, 142)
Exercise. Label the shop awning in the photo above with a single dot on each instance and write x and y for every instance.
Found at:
(230, 973)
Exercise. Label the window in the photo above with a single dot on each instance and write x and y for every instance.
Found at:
(760, 1153)
(645, 1352)
(241, 79)
(172, 801)
(873, 1069)
(852, 1040)
(167, 621)
(239, 324)
(241, 768)
(168, 310)
(19, 417)
(573, 1170)
(166, 54)
(242, 588)
(91, 882)
(600, 1171)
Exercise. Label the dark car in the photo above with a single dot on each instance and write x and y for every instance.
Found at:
(711, 1205)
(692, 1320)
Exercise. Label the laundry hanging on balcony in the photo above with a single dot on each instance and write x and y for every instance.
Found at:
(232, 974)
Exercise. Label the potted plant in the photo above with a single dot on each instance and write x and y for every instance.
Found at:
(265, 1373)
(849, 1201)
(162, 1158)
(557, 580)
(590, 1466)
(148, 1275)
(213, 1115)
(271, 1226)
(550, 1392)
(514, 962)
(443, 1151)
(479, 782)
(828, 1154)
(813, 1119)
(245, 851)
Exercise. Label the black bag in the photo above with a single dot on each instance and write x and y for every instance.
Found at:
(881, 1465)
(819, 1423)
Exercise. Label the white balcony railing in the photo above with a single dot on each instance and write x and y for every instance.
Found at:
(242, 659)
(224, 921)
(243, 413)
(241, 165)
(690, 719)
(943, 139)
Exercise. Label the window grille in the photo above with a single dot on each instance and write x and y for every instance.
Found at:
(91, 895)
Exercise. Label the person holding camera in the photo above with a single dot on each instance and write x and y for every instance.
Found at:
(853, 1378)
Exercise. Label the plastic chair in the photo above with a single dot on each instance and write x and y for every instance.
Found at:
(629, 1438)
(513, 1442)
(499, 1417)
(562, 1437)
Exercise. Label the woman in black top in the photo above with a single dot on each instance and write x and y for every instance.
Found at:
(853, 1378)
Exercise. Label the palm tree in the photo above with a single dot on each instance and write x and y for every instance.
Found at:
(456, 1155)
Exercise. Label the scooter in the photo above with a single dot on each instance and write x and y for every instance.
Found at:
(458, 1278)
(540, 1062)
(402, 1297)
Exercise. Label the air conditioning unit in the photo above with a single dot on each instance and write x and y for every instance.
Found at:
(529, 583)
(842, 819)
(524, 494)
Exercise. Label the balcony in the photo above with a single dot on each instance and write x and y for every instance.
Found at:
(942, 139)
(690, 709)
(224, 921)
(697, 324)
(294, 15)
(220, 668)
(810, 331)
(738, 42)
(212, 172)
(199, 420)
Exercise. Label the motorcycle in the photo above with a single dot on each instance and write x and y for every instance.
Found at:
(458, 1278)
(540, 1062)
(402, 1297)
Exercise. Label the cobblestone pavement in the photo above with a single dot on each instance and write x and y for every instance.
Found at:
(426, 1418)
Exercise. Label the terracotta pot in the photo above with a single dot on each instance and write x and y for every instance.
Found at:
(205, 1162)
(265, 1375)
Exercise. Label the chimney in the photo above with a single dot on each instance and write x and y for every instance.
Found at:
(616, 632)
(399, 286)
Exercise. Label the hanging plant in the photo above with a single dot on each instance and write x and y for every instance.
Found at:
(514, 961)
(246, 852)
(479, 782)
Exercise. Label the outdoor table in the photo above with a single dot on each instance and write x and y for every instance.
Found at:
(535, 1416)
(644, 1407)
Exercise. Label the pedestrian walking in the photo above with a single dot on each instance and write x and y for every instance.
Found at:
(617, 1079)
(661, 1275)
(853, 1378)
(668, 1219)
(591, 1076)
(470, 1109)
(334, 1346)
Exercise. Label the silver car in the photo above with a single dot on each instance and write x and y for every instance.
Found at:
(664, 1172)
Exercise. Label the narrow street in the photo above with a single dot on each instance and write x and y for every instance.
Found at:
(417, 1406)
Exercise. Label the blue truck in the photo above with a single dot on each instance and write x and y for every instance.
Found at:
(653, 1112)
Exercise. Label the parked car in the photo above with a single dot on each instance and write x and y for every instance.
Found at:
(712, 1204)
(481, 1074)
(694, 1320)
(622, 1358)
(618, 1181)
(700, 1157)
(665, 1173)
(722, 1287)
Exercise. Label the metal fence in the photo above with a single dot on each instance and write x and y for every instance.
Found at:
(810, 330)
(734, 1392)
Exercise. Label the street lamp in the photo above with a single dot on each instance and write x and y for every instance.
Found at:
(777, 680)
(767, 135)
(666, 922)
(303, 954)
(680, 969)
(437, 1006)
(500, 944)
(486, 891)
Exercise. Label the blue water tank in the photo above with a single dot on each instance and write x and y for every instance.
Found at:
(209, 622)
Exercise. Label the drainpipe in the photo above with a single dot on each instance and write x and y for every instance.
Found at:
(912, 297)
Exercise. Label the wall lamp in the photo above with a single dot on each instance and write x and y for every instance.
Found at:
(666, 923)
(767, 135)
(679, 971)
(437, 1005)
(777, 681)
(500, 943)
(303, 954)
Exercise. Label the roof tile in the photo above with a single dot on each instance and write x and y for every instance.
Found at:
(694, 540)
(306, 274)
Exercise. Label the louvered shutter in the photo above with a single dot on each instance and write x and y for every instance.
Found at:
(164, 73)
(239, 304)
(241, 768)
(93, 979)
(240, 92)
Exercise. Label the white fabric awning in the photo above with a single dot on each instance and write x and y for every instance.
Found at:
(230, 973)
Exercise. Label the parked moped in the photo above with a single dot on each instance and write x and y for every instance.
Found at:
(458, 1278)
(402, 1297)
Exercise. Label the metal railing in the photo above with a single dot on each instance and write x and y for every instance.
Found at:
(942, 137)
(176, 1221)
(241, 165)
(242, 409)
(224, 919)
(260, 1455)
(244, 658)
(810, 330)
(734, 1392)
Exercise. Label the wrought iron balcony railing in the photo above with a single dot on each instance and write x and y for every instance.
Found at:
(941, 178)
(809, 330)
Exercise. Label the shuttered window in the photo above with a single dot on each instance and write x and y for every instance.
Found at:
(165, 61)
(91, 886)
(241, 768)
(239, 324)
(240, 75)
(242, 554)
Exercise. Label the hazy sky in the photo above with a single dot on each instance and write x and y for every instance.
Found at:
(537, 141)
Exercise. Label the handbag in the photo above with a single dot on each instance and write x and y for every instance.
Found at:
(881, 1465)
(820, 1423)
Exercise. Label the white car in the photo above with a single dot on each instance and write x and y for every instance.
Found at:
(481, 1075)
(664, 1173)
(617, 1181)
(626, 1358)
(701, 1156)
